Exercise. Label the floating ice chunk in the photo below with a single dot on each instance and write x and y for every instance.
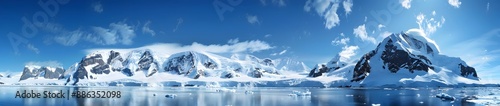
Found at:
(445, 97)
(299, 93)
(248, 92)
(375, 104)
(349, 95)
(171, 96)
(225, 90)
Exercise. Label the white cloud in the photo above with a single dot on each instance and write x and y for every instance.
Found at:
(179, 22)
(434, 13)
(33, 48)
(146, 29)
(267, 35)
(455, 3)
(252, 19)
(347, 52)
(170, 48)
(361, 33)
(97, 6)
(380, 26)
(347, 6)
(326, 9)
(342, 41)
(429, 25)
(44, 63)
(233, 41)
(117, 33)
(405, 3)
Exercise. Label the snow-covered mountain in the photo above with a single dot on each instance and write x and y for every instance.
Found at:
(402, 59)
(149, 65)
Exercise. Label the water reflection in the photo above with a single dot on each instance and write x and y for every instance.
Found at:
(261, 96)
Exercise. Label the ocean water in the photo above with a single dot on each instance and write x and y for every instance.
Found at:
(257, 96)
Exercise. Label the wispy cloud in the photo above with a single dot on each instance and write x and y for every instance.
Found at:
(361, 33)
(280, 53)
(170, 48)
(280, 3)
(405, 3)
(267, 35)
(482, 53)
(44, 63)
(233, 41)
(429, 25)
(253, 19)
(33, 48)
(455, 3)
(116, 33)
(146, 29)
(326, 9)
(488, 6)
(97, 6)
(179, 22)
(340, 41)
(69, 38)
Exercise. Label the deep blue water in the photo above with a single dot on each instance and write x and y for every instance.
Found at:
(142, 96)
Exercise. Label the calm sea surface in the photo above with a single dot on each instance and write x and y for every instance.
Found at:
(200, 96)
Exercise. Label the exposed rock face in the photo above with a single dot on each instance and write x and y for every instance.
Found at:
(191, 64)
(332, 65)
(467, 71)
(318, 70)
(148, 64)
(257, 73)
(228, 74)
(43, 72)
(95, 64)
(396, 59)
(267, 62)
(362, 67)
(115, 60)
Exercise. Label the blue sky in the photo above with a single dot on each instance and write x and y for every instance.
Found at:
(313, 31)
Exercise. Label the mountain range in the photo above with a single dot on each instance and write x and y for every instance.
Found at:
(401, 59)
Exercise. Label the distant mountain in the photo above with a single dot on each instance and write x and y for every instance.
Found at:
(403, 58)
(35, 72)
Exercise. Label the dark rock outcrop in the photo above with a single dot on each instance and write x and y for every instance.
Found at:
(318, 70)
(44, 72)
(467, 71)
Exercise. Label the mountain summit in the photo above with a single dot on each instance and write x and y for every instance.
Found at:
(402, 59)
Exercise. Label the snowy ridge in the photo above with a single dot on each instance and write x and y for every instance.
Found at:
(407, 59)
